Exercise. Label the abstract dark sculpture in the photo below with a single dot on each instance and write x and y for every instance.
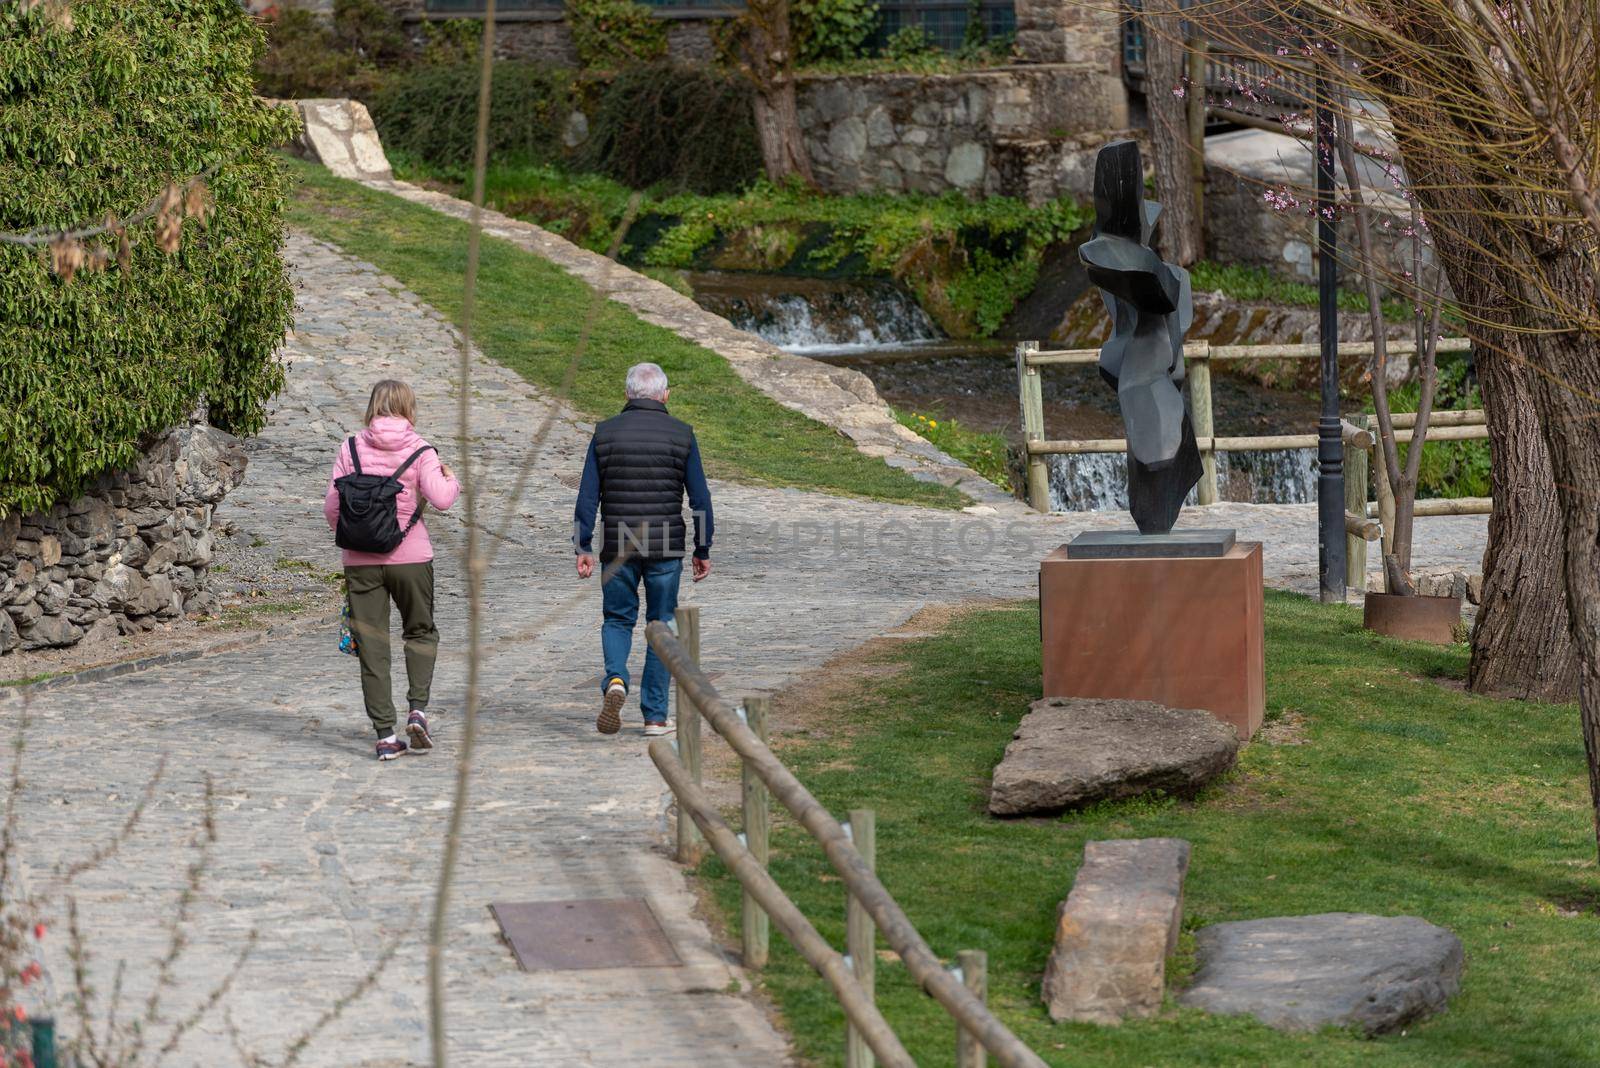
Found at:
(1151, 308)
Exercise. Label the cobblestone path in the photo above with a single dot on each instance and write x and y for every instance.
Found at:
(329, 855)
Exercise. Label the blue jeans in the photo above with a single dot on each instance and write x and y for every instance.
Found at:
(621, 599)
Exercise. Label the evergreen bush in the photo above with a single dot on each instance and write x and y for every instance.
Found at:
(99, 114)
(612, 34)
(832, 29)
(429, 114)
(681, 127)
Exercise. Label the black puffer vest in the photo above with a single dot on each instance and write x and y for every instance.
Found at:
(642, 453)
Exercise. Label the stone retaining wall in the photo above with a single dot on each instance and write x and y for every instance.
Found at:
(1025, 131)
(129, 554)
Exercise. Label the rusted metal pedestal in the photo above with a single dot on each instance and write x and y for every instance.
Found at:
(1184, 632)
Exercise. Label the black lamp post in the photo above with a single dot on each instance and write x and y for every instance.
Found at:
(1330, 442)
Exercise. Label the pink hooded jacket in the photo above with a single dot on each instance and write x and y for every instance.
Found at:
(383, 447)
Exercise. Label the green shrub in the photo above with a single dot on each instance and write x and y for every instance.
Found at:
(308, 56)
(678, 246)
(1448, 468)
(97, 119)
(831, 29)
(909, 42)
(429, 114)
(612, 34)
(967, 261)
(304, 59)
(680, 127)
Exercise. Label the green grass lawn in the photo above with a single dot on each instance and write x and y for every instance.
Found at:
(530, 314)
(1403, 795)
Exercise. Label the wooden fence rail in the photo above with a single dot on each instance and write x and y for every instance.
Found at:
(962, 997)
(1359, 439)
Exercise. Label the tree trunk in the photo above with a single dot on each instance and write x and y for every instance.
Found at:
(1566, 394)
(1521, 644)
(1166, 61)
(769, 64)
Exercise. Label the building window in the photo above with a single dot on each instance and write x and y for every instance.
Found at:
(944, 20)
(476, 7)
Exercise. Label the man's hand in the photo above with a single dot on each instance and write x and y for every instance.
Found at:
(700, 568)
(585, 565)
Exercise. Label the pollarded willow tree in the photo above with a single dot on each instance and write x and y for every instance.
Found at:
(1495, 113)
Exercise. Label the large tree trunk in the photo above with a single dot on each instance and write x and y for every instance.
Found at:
(769, 64)
(1522, 644)
(1166, 61)
(1566, 392)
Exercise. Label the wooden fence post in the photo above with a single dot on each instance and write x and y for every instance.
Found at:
(1385, 495)
(1355, 502)
(1204, 428)
(753, 919)
(1031, 396)
(1197, 132)
(688, 624)
(974, 965)
(861, 934)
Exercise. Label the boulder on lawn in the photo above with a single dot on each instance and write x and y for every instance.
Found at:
(1339, 969)
(1071, 751)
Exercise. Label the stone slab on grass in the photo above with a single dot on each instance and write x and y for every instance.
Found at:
(1338, 969)
(1071, 751)
(1116, 930)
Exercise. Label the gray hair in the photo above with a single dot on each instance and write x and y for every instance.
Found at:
(646, 381)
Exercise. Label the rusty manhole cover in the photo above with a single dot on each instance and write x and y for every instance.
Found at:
(552, 936)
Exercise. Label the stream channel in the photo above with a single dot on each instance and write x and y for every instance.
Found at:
(877, 327)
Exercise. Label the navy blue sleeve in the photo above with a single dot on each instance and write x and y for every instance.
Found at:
(694, 481)
(588, 501)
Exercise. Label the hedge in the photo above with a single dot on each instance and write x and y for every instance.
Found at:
(97, 115)
(668, 125)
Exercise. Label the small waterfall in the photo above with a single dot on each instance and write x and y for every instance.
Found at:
(806, 314)
(1095, 482)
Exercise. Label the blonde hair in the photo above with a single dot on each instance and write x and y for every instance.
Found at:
(391, 397)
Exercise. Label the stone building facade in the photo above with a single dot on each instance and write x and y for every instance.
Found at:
(130, 553)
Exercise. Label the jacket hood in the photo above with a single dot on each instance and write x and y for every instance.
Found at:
(390, 433)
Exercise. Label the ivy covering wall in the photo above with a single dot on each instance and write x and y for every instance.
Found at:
(99, 113)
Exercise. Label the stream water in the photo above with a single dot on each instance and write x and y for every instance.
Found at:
(879, 329)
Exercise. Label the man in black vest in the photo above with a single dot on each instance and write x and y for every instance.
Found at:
(640, 465)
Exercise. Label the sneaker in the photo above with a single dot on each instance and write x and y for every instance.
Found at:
(390, 750)
(417, 731)
(610, 719)
(654, 729)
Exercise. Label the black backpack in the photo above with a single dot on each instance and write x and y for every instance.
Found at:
(369, 514)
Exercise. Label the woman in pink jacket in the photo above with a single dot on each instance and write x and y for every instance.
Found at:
(405, 574)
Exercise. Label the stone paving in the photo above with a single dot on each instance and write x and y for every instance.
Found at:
(329, 855)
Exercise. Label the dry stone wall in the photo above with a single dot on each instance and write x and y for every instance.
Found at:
(130, 553)
(1025, 131)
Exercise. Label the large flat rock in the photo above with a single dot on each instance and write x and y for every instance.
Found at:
(1116, 930)
(1071, 751)
(1340, 969)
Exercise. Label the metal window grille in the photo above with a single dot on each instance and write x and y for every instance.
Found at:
(944, 20)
